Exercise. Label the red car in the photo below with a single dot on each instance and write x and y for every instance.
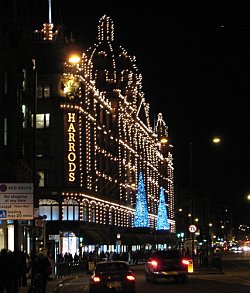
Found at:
(166, 264)
(112, 275)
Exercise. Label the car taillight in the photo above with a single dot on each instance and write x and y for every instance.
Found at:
(185, 261)
(130, 277)
(96, 279)
(154, 263)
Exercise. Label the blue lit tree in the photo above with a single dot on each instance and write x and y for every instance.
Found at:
(141, 209)
(162, 217)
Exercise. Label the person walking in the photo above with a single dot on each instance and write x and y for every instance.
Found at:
(42, 268)
(8, 272)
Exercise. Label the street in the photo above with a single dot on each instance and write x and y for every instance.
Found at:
(205, 284)
(234, 278)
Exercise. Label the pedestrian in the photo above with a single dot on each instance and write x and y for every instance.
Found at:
(23, 266)
(8, 272)
(41, 267)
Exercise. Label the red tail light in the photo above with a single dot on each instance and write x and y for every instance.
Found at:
(130, 277)
(154, 263)
(185, 261)
(96, 279)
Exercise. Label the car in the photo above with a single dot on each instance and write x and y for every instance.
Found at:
(166, 264)
(112, 276)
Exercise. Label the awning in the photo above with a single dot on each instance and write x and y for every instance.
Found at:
(97, 237)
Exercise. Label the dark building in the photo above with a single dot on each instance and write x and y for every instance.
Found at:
(16, 103)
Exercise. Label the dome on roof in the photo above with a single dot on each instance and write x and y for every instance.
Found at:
(112, 67)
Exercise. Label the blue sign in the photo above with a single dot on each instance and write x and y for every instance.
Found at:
(3, 214)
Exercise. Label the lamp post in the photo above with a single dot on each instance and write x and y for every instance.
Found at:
(35, 198)
(248, 198)
(215, 140)
(191, 195)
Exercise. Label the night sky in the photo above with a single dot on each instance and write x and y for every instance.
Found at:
(195, 62)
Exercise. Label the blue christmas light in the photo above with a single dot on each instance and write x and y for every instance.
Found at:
(141, 210)
(162, 217)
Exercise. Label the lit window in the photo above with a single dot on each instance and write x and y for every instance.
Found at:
(46, 91)
(43, 91)
(92, 215)
(49, 208)
(84, 213)
(42, 120)
(24, 115)
(24, 79)
(41, 182)
(70, 209)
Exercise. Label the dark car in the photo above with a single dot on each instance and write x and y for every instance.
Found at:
(112, 276)
(166, 264)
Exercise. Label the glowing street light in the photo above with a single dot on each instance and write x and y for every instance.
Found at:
(164, 140)
(216, 140)
(74, 59)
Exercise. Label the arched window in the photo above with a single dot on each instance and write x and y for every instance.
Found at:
(112, 216)
(106, 215)
(130, 220)
(70, 210)
(49, 208)
(92, 213)
(85, 212)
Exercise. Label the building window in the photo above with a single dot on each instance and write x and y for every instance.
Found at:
(5, 83)
(112, 216)
(42, 120)
(5, 132)
(85, 213)
(70, 209)
(92, 213)
(43, 91)
(24, 113)
(49, 208)
(46, 91)
(41, 180)
(24, 79)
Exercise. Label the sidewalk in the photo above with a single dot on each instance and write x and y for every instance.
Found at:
(52, 284)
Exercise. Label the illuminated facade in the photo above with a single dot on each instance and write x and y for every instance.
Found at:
(94, 137)
(109, 137)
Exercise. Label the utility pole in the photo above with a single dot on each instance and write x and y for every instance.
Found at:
(35, 199)
(191, 193)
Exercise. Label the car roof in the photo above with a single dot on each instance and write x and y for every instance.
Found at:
(111, 265)
(166, 253)
(110, 261)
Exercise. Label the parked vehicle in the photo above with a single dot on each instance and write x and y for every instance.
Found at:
(166, 264)
(115, 275)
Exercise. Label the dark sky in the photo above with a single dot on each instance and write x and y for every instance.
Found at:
(195, 62)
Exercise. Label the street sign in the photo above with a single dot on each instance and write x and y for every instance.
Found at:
(16, 201)
(54, 237)
(192, 228)
(39, 223)
(36, 232)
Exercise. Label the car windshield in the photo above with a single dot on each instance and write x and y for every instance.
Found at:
(111, 266)
(166, 254)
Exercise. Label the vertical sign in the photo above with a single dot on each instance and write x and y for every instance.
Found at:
(71, 147)
(16, 201)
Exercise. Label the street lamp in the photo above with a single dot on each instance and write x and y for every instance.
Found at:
(215, 140)
(74, 59)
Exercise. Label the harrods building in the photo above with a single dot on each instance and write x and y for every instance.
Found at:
(94, 134)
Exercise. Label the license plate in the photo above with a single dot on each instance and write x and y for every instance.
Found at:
(114, 284)
(170, 273)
